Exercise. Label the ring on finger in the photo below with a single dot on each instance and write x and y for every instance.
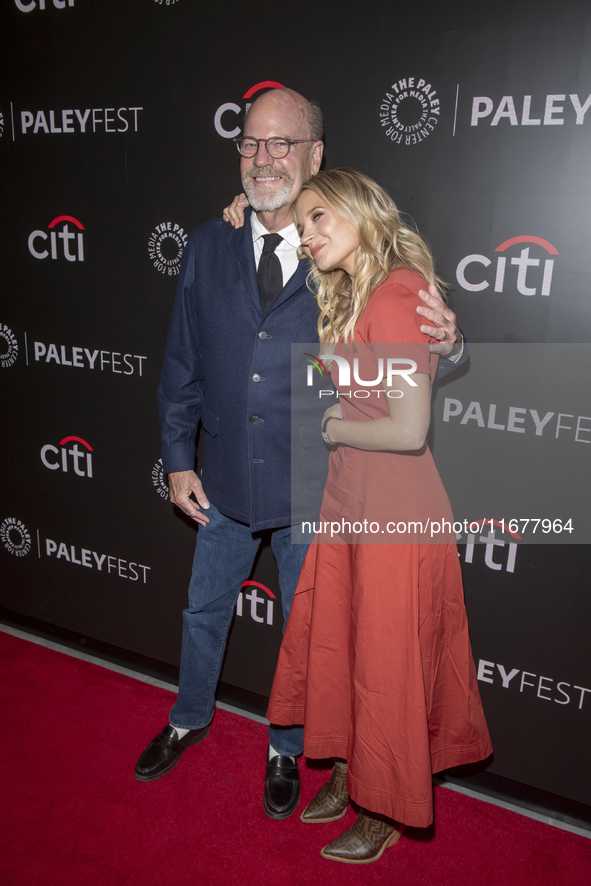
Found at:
(444, 335)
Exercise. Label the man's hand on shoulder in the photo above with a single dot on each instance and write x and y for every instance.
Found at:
(234, 213)
(181, 485)
(444, 328)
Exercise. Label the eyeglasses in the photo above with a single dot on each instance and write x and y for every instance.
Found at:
(275, 147)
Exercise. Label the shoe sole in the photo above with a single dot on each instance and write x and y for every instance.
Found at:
(280, 816)
(391, 841)
(168, 769)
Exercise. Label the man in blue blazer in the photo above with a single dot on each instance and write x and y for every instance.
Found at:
(241, 301)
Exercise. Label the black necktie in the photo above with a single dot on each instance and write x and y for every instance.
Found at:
(269, 274)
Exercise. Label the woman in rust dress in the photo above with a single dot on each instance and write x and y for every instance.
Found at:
(376, 659)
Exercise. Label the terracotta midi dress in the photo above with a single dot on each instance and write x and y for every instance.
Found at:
(376, 659)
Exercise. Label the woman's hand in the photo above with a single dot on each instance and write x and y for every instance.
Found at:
(234, 213)
(332, 412)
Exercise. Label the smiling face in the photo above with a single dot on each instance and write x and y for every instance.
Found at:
(326, 237)
(272, 184)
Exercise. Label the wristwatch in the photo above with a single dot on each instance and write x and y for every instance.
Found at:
(325, 436)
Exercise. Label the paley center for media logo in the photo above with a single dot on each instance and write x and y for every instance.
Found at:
(69, 456)
(159, 482)
(31, 5)
(532, 276)
(8, 347)
(15, 537)
(71, 246)
(165, 248)
(409, 111)
(225, 117)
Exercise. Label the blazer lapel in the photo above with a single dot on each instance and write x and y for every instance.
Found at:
(295, 282)
(242, 250)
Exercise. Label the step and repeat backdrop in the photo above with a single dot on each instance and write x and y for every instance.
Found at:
(116, 127)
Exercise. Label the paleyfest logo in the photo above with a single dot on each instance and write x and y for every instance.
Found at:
(165, 248)
(15, 537)
(409, 111)
(225, 116)
(8, 347)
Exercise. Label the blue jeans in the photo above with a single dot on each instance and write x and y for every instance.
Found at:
(224, 555)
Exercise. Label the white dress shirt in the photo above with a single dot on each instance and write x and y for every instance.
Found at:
(286, 252)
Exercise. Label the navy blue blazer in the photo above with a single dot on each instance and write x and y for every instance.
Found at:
(229, 366)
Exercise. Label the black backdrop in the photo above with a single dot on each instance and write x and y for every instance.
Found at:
(116, 123)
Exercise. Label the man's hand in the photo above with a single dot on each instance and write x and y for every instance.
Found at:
(445, 327)
(181, 485)
(234, 213)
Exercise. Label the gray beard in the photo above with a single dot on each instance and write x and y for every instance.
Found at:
(267, 202)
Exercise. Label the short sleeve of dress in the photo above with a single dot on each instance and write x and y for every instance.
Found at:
(391, 318)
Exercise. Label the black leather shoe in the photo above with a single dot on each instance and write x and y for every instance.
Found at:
(282, 787)
(165, 751)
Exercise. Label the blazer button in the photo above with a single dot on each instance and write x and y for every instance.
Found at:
(256, 377)
(254, 419)
(262, 336)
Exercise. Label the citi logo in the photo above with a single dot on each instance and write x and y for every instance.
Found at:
(222, 118)
(29, 7)
(266, 611)
(470, 278)
(38, 240)
(548, 111)
(80, 460)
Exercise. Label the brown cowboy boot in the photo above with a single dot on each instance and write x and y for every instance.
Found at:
(365, 841)
(331, 801)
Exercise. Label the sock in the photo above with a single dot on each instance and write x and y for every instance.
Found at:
(180, 732)
(274, 753)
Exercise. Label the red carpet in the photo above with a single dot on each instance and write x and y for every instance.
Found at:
(75, 816)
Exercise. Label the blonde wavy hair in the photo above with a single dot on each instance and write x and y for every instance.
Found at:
(385, 243)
